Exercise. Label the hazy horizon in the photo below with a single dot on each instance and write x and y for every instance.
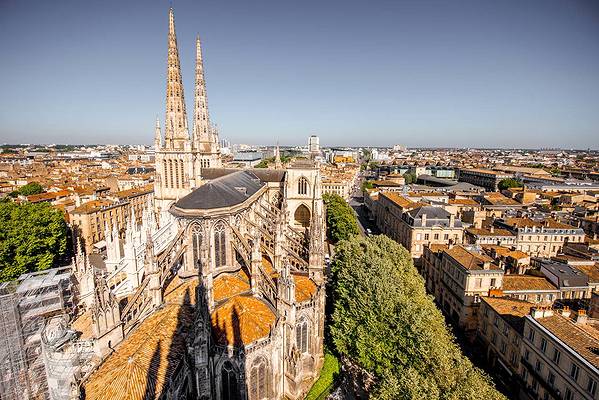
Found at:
(422, 74)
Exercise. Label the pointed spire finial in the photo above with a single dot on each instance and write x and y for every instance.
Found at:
(175, 99)
(201, 125)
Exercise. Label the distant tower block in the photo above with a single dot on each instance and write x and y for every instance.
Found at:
(313, 144)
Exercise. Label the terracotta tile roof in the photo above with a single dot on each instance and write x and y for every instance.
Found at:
(399, 200)
(526, 283)
(125, 194)
(143, 363)
(305, 288)
(470, 259)
(511, 310)
(83, 324)
(226, 286)
(466, 202)
(91, 206)
(592, 271)
(241, 320)
(547, 223)
(584, 339)
(436, 247)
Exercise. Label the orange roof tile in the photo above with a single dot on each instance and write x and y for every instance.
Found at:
(143, 363)
(305, 288)
(526, 283)
(241, 321)
(226, 286)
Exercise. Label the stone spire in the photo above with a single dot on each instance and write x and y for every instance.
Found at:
(202, 136)
(157, 135)
(176, 132)
(278, 164)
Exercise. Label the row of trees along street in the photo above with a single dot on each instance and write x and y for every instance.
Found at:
(380, 318)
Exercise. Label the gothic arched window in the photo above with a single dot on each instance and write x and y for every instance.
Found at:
(302, 215)
(258, 384)
(228, 384)
(220, 252)
(196, 239)
(302, 186)
(302, 336)
(165, 175)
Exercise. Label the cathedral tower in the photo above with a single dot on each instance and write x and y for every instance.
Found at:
(180, 159)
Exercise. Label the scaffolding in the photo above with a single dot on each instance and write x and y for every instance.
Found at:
(25, 305)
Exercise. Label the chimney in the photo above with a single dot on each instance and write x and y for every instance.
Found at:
(541, 312)
(423, 218)
(451, 220)
(581, 317)
(492, 229)
(486, 265)
(565, 312)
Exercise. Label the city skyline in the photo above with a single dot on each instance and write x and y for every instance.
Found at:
(474, 75)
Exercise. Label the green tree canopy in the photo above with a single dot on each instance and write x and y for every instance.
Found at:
(410, 177)
(33, 237)
(509, 183)
(383, 320)
(341, 220)
(31, 188)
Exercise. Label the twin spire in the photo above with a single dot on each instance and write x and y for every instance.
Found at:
(176, 132)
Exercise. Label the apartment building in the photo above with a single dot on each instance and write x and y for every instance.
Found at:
(90, 219)
(426, 225)
(560, 359)
(501, 324)
(458, 276)
(485, 178)
(544, 238)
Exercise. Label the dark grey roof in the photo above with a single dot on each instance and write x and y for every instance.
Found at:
(435, 216)
(264, 174)
(225, 191)
(567, 275)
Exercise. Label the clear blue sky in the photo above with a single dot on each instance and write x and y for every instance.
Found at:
(419, 73)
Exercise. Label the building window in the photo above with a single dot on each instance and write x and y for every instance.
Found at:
(426, 236)
(493, 280)
(220, 252)
(568, 394)
(538, 366)
(543, 344)
(302, 216)
(302, 186)
(258, 384)
(436, 236)
(228, 384)
(574, 370)
(196, 238)
(531, 335)
(592, 386)
(551, 378)
(302, 336)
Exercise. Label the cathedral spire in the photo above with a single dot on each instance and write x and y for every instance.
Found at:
(201, 124)
(157, 135)
(278, 164)
(176, 132)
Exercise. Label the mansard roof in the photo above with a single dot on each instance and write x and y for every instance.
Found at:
(225, 191)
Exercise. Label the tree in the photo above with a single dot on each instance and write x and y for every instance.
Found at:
(341, 220)
(33, 237)
(31, 188)
(262, 164)
(509, 183)
(410, 177)
(384, 321)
